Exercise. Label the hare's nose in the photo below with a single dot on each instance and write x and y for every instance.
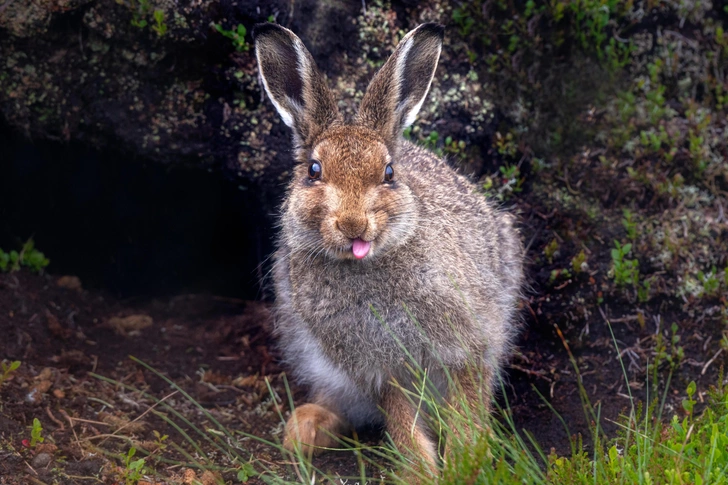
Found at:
(352, 226)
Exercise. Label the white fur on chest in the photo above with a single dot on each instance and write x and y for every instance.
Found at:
(313, 368)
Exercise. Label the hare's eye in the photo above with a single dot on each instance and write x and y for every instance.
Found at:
(388, 173)
(314, 170)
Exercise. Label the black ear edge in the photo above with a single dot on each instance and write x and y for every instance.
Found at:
(433, 28)
(266, 28)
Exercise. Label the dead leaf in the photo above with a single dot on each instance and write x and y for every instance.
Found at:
(208, 478)
(120, 422)
(35, 395)
(243, 381)
(131, 324)
(55, 327)
(45, 448)
(190, 476)
(69, 283)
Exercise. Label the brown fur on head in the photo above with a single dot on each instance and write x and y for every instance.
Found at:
(351, 197)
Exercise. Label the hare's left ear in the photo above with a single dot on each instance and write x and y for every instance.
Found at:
(395, 95)
(297, 89)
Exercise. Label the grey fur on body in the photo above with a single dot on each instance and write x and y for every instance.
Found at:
(453, 283)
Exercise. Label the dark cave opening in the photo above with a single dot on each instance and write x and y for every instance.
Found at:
(130, 227)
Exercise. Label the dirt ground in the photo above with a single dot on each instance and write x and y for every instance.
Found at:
(220, 351)
(73, 341)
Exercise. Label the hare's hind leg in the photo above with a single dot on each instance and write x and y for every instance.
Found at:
(409, 433)
(313, 428)
(469, 405)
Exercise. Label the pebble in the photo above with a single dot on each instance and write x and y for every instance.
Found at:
(69, 283)
(41, 460)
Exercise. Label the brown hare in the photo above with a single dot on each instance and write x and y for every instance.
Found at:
(387, 259)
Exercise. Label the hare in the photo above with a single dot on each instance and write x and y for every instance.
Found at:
(387, 259)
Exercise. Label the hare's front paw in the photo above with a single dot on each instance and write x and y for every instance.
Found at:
(313, 428)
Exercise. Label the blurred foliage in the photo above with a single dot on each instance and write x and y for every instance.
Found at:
(28, 256)
(613, 112)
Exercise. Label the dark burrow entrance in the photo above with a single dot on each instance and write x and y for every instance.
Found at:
(130, 227)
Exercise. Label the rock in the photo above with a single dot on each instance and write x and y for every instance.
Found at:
(69, 283)
(41, 460)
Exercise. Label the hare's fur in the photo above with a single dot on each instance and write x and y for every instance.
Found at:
(439, 287)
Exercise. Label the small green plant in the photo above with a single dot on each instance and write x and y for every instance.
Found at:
(506, 145)
(134, 469)
(454, 147)
(531, 9)
(246, 472)
(617, 54)
(7, 370)
(689, 403)
(160, 27)
(624, 271)
(578, 262)
(463, 20)
(654, 140)
(629, 224)
(643, 291)
(237, 36)
(28, 257)
(557, 274)
(159, 440)
(432, 139)
(550, 250)
(710, 282)
(8, 260)
(36, 433)
(512, 180)
(139, 10)
(665, 352)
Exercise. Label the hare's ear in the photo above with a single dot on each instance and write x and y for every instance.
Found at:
(296, 88)
(395, 95)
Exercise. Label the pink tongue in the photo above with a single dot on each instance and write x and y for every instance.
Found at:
(360, 248)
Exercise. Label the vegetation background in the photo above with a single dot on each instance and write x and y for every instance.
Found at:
(602, 123)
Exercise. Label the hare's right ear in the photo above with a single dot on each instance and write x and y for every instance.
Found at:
(296, 88)
(395, 95)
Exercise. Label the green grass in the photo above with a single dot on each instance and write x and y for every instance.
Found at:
(688, 446)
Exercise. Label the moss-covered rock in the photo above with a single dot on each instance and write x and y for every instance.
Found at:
(160, 80)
